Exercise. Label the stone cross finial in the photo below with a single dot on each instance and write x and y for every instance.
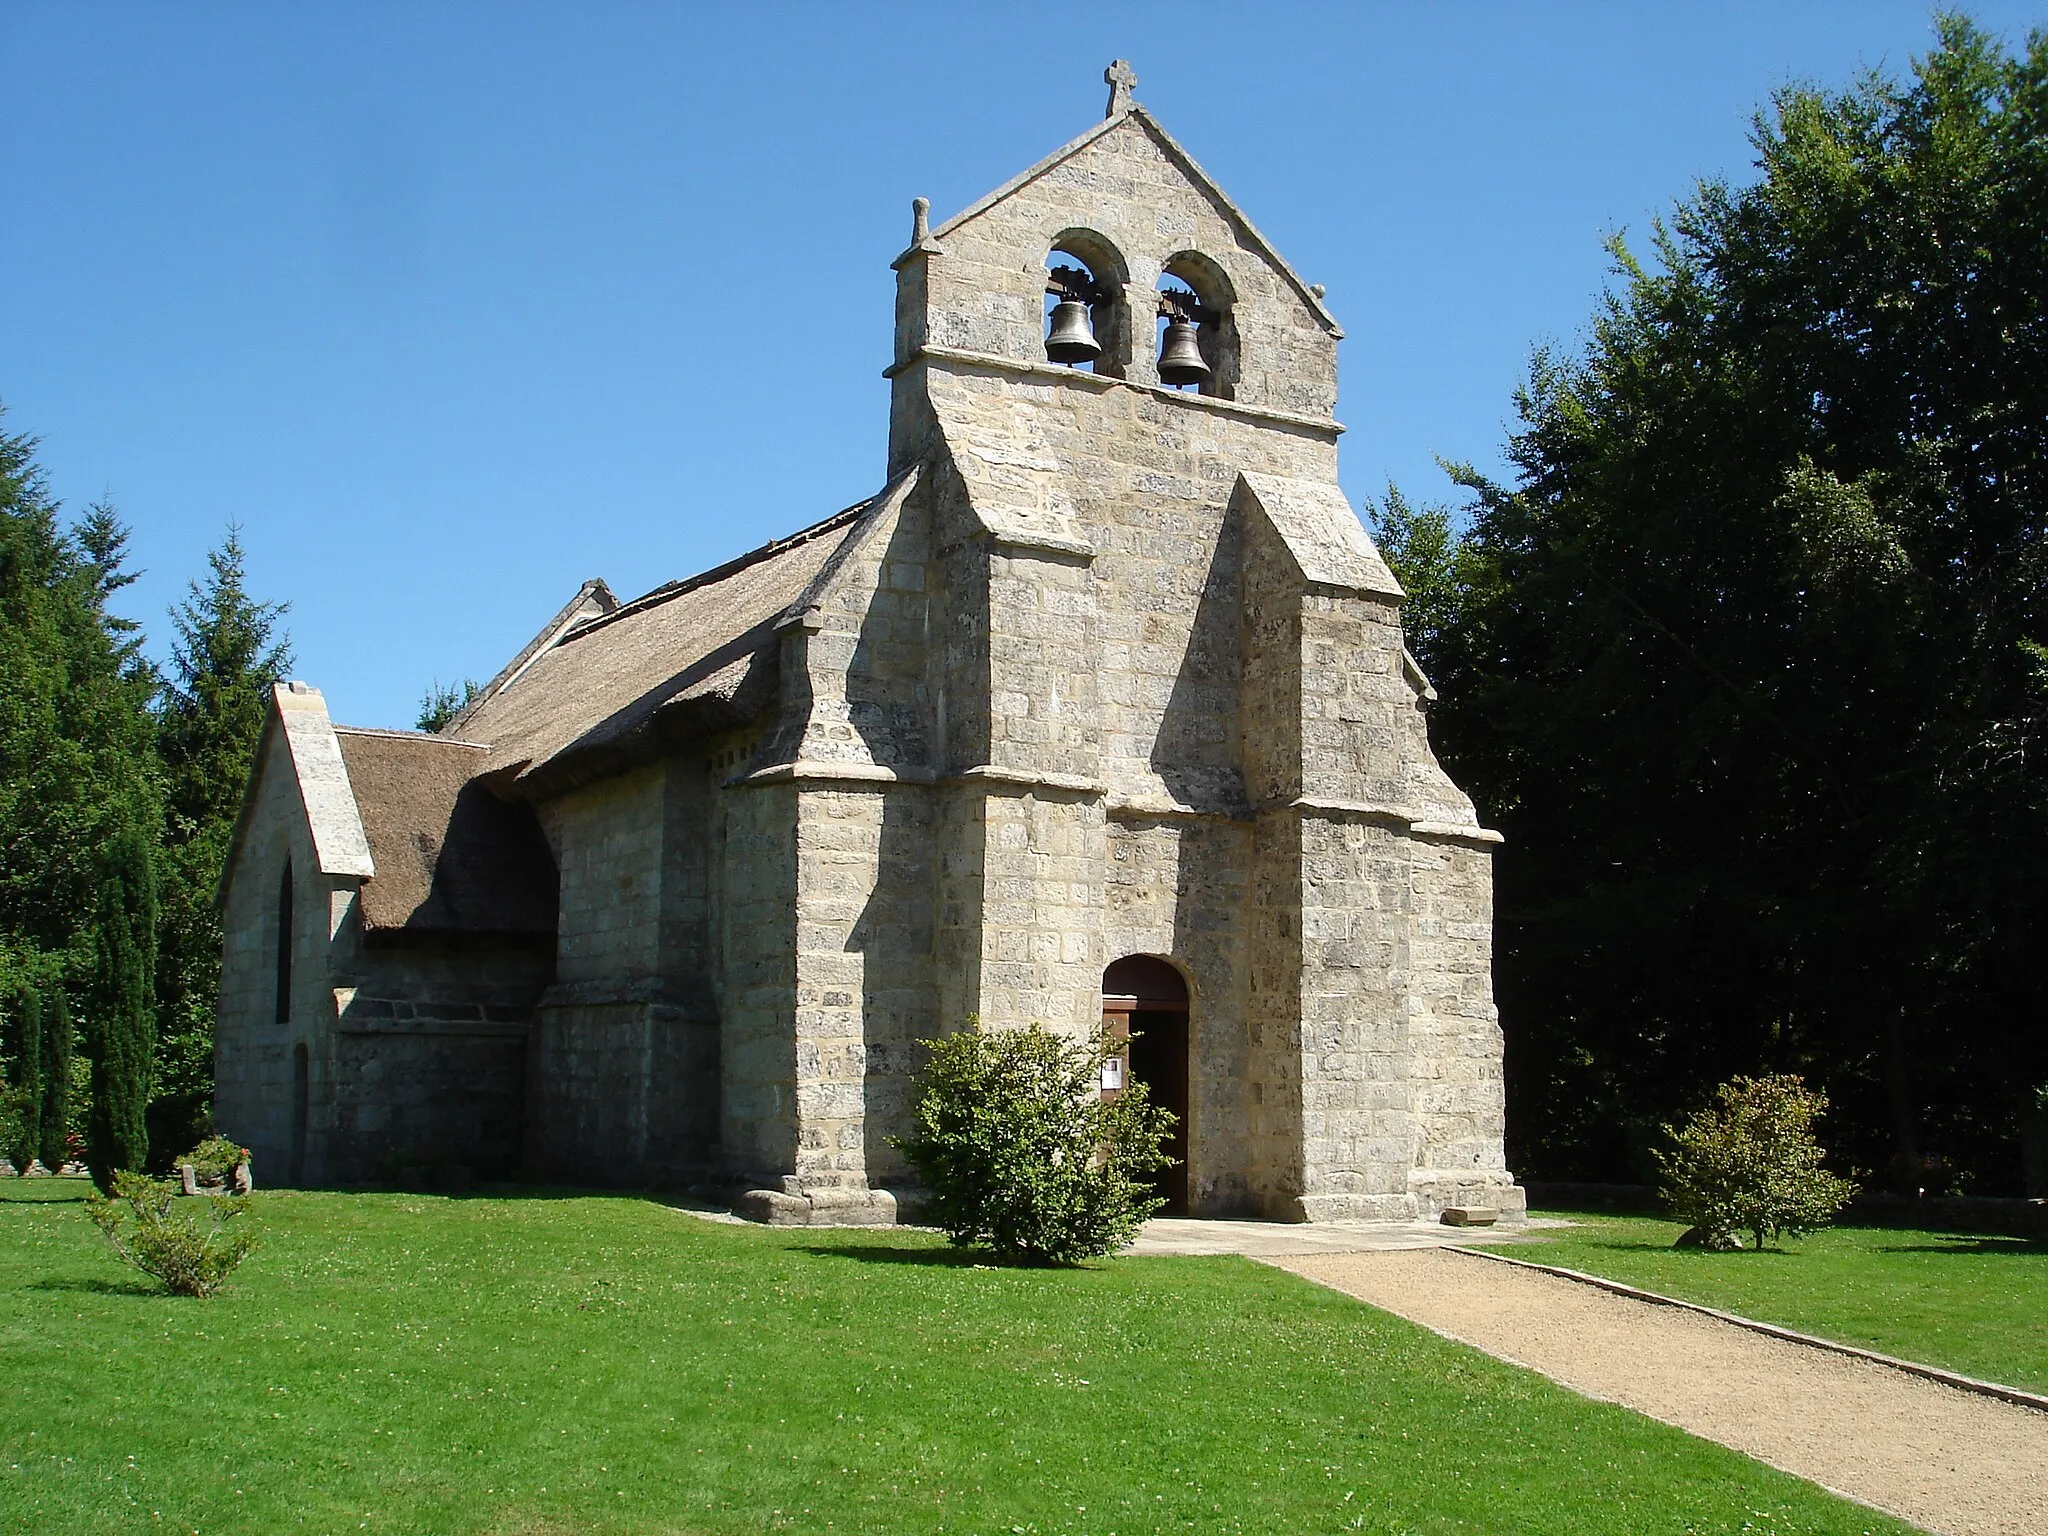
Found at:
(1121, 80)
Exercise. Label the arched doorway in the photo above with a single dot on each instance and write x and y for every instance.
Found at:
(1145, 997)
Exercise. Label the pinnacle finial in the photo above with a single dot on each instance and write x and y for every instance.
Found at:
(1121, 80)
(920, 220)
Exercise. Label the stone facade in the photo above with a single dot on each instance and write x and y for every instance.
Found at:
(1108, 669)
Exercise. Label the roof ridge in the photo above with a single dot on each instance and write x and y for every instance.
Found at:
(550, 635)
(402, 735)
(674, 589)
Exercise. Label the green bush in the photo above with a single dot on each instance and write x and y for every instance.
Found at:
(1750, 1163)
(1022, 1154)
(142, 1226)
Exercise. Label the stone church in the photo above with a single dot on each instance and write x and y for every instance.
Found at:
(1097, 712)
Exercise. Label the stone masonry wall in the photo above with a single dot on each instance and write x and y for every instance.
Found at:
(608, 847)
(757, 930)
(254, 1096)
(864, 985)
(1359, 1137)
(1460, 1098)
(428, 1058)
(624, 1059)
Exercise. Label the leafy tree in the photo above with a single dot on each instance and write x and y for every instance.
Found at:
(26, 1118)
(443, 702)
(123, 1026)
(1022, 1154)
(1751, 668)
(227, 651)
(1751, 1163)
(1424, 550)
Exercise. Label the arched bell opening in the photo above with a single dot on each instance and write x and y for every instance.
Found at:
(1145, 1002)
(1087, 318)
(1198, 342)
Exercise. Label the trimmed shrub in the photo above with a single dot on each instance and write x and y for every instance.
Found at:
(1022, 1154)
(143, 1227)
(1750, 1163)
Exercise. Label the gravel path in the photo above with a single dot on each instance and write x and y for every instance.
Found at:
(1947, 1460)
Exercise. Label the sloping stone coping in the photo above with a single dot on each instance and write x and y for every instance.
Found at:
(1954, 1379)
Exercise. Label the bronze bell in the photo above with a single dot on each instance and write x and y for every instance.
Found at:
(1072, 338)
(1180, 355)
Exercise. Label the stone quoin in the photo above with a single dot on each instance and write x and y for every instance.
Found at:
(1098, 709)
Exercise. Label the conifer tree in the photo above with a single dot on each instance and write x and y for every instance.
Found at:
(54, 1124)
(27, 1032)
(123, 1022)
(78, 774)
(227, 652)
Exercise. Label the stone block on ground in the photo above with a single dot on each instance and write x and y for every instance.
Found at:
(1470, 1216)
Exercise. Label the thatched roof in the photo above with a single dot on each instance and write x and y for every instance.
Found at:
(449, 856)
(692, 656)
(592, 600)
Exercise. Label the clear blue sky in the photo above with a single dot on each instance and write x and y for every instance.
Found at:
(453, 305)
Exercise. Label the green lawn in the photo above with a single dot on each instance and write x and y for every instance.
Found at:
(1978, 1305)
(407, 1363)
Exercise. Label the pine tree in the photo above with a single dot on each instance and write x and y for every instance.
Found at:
(123, 1023)
(28, 1078)
(78, 766)
(226, 653)
(55, 1120)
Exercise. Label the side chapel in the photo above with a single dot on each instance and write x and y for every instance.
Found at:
(1098, 711)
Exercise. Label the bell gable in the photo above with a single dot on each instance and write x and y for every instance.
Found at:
(1128, 211)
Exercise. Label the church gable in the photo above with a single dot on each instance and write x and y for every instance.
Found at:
(299, 765)
(1107, 680)
(1128, 204)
